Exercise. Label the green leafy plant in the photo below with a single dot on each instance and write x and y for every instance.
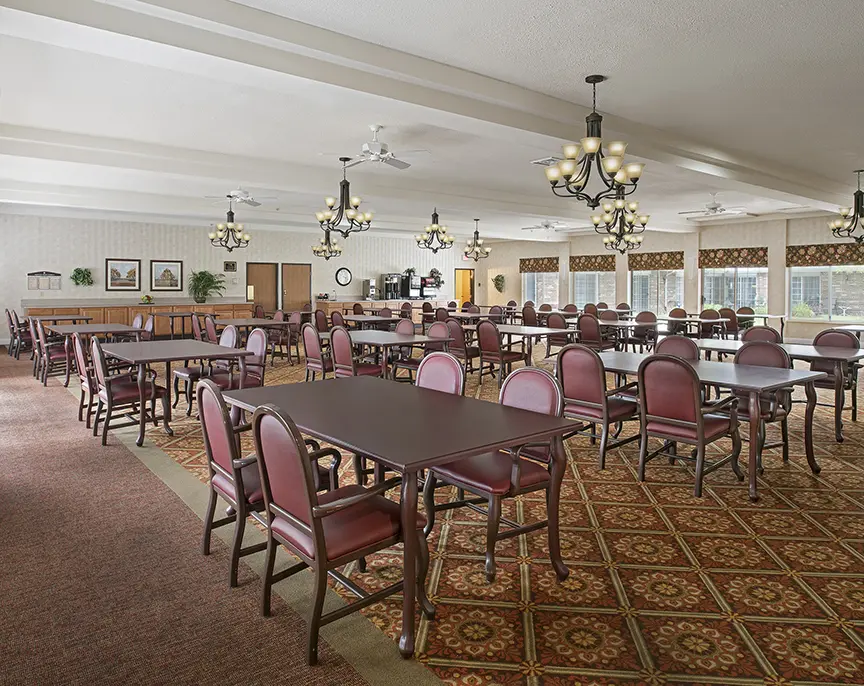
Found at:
(498, 282)
(410, 271)
(802, 311)
(81, 276)
(435, 274)
(203, 284)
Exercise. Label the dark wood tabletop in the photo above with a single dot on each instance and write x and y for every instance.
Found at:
(691, 320)
(251, 321)
(737, 376)
(167, 351)
(69, 329)
(518, 330)
(173, 314)
(369, 319)
(384, 339)
(347, 411)
(62, 318)
(471, 315)
(796, 351)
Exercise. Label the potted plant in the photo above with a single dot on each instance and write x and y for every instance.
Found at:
(81, 276)
(436, 275)
(498, 282)
(204, 283)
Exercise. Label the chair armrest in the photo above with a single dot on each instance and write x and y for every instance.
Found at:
(625, 387)
(240, 428)
(337, 505)
(245, 461)
(731, 402)
(326, 452)
(315, 445)
(518, 453)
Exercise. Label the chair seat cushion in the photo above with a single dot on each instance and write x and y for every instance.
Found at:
(618, 410)
(127, 391)
(764, 406)
(490, 473)
(189, 373)
(367, 369)
(251, 484)
(715, 427)
(325, 362)
(603, 345)
(55, 353)
(227, 381)
(354, 528)
(504, 356)
(468, 352)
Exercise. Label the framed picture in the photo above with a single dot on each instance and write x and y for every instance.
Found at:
(229, 267)
(166, 275)
(122, 275)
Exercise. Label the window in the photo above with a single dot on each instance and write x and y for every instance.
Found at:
(657, 290)
(592, 287)
(735, 287)
(541, 287)
(835, 293)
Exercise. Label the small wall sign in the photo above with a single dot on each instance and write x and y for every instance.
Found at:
(228, 267)
(43, 281)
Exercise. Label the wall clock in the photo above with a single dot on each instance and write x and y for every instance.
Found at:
(343, 276)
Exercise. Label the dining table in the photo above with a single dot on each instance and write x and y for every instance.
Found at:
(247, 323)
(739, 377)
(526, 333)
(144, 353)
(57, 318)
(66, 330)
(347, 412)
(386, 340)
(172, 317)
(841, 358)
(369, 320)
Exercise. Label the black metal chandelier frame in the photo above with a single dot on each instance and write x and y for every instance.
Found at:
(434, 236)
(327, 248)
(851, 219)
(229, 235)
(348, 208)
(475, 248)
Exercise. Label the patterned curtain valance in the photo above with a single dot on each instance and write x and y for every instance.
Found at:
(538, 264)
(592, 263)
(649, 261)
(733, 257)
(824, 254)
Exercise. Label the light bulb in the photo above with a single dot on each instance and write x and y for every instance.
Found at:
(246, 237)
(608, 207)
(212, 235)
(621, 176)
(567, 168)
(634, 170)
(330, 201)
(643, 218)
(328, 215)
(553, 173)
(220, 234)
(368, 216)
(629, 218)
(591, 145)
(607, 218)
(596, 219)
(355, 201)
(633, 206)
(350, 213)
(619, 203)
(845, 211)
(487, 250)
(443, 229)
(220, 227)
(571, 151)
(319, 216)
(611, 165)
(479, 241)
(639, 239)
(616, 148)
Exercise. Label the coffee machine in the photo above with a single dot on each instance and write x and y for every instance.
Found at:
(410, 287)
(390, 286)
(368, 289)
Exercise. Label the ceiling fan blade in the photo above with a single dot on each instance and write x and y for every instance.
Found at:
(357, 160)
(421, 151)
(398, 164)
(694, 212)
(215, 197)
(252, 203)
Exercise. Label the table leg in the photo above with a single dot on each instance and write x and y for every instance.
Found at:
(810, 389)
(559, 466)
(66, 346)
(142, 409)
(530, 352)
(839, 397)
(752, 462)
(384, 371)
(167, 419)
(171, 326)
(409, 561)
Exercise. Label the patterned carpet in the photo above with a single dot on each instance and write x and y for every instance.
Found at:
(664, 588)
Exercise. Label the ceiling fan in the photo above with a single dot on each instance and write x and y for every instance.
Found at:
(376, 151)
(546, 225)
(714, 208)
(241, 195)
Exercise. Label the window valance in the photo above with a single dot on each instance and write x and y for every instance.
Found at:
(824, 254)
(538, 264)
(649, 261)
(592, 263)
(733, 257)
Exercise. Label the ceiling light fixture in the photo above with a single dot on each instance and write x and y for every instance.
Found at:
(229, 235)
(475, 248)
(434, 236)
(620, 218)
(570, 176)
(851, 219)
(327, 248)
(623, 243)
(348, 208)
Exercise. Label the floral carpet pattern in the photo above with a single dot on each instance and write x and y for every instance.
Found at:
(664, 588)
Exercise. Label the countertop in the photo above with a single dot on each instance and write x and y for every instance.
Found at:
(125, 302)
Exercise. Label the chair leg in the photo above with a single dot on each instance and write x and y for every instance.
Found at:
(165, 411)
(643, 455)
(177, 391)
(700, 465)
(855, 398)
(422, 570)
(239, 529)
(189, 395)
(89, 409)
(108, 410)
(81, 406)
(429, 503)
(673, 450)
(593, 429)
(96, 420)
(153, 410)
(359, 468)
(208, 522)
(315, 620)
(604, 441)
(784, 433)
(268, 576)
(736, 451)
(492, 525)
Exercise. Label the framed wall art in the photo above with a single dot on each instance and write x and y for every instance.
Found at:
(166, 275)
(122, 274)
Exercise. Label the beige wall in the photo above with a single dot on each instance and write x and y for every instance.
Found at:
(504, 259)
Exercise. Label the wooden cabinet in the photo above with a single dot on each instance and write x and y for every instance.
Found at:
(243, 313)
(116, 315)
(96, 314)
(66, 310)
(163, 324)
(143, 310)
(39, 311)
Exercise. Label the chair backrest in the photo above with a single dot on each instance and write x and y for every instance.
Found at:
(427, 306)
(138, 321)
(307, 307)
(256, 363)
(197, 333)
(528, 303)
(532, 389)
(466, 305)
(100, 368)
(15, 319)
(473, 309)
(336, 318)
(496, 313)
(437, 330)
(279, 316)
(512, 303)
(43, 338)
(320, 318)
(529, 316)
(258, 312)
(679, 312)
(556, 321)
(570, 307)
(678, 346)
(385, 312)
(11, 325)
(582, 376)
(590, 308)
(707, 328)
(34, 335)
(220, 443)
(440, 371)
(149, 326)
(441, 314)
(589, 327)
(609, 316)
(745, 310)
(457, 333)
(82, 365)
(622, 306)
(762, 333)
(210, 328)
(285, 471)
(645, 318)
(452, 303)
(405, 309)
(669, 389)
(295, 319)
(602, 306)
(311, 343)
(729, 313)
(763, 354)
(357, 308)
(488, 337)
(545, 307)
(834, 338)
(229, 337)
(676, 327)
(342, 351)
(405, 326)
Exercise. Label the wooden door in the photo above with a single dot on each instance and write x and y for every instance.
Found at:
(296, 286)
(263, 277)
(464, 285)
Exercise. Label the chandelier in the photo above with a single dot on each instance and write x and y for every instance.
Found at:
(620, 218)
(570, 176)
(434, 236)
(348, 208)
(327, 248)
(851, 218)
(622, 243)
(475, 249)
(229, 235)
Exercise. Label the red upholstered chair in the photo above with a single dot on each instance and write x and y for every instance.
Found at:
(37, 348)
(452, 304)
(459, 346)
(149, 327)
(325, 531)
(512, 303)
(86, 378)
(53, 356)
(336, 318)
(210, 328)
(746, 322)
(529, 316)
(589, 333)
(357, 308)
(622, 306)
(441, 314)
(120, 393)
(197, 332)
(730, 328)
(256, 365)
(761, 333)
(545, 307)
(774, 406)
(497, 475)
(295, 321)
(493, 352)
(466, 305)
(643, 336)
(306, 308)
(189, 374)
(590, 308)
(602, 306)
(557, 321)
(316, 361)
(13, 334)
(671, 409)
(436, 330)
(496, 314)
(677, 328)
(342, 350)
(837, 338)
(320, 319)
(570, 307)
(610, 333)
(710, 329)
(474, 309)
(406, 310)
(137, 323)
(440, 371)
(19, 336)
(678, 346)
(582, 376)
(428, 313)
(528, 303)
(258, 312)
(384, 312)
(277, 336)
